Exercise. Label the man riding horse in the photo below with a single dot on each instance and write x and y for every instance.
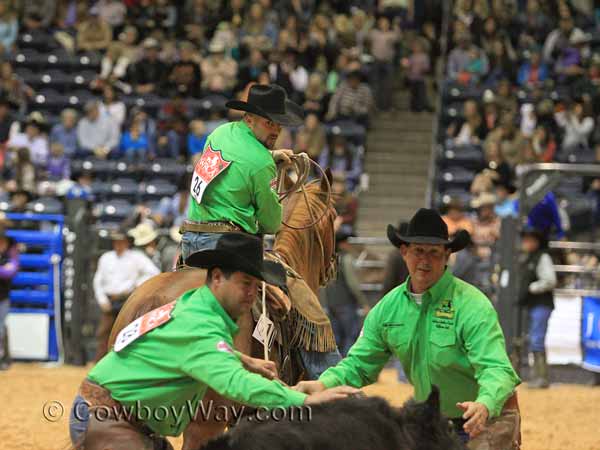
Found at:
(164, 362)
(234, 184)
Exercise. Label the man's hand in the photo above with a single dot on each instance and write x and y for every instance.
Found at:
(336, 393)
(267, 369)
(309, 387)
(476, 415)
(283, 156)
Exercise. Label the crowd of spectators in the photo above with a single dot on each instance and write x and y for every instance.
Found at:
(152, 76)
(521, 86)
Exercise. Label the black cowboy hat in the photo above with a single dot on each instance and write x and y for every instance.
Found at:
(240, 252)
(271, 102)
(428, 227)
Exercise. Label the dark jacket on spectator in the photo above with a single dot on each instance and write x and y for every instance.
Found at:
(186, 77)
(146, 71)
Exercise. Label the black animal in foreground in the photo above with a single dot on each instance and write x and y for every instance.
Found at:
(351, 424)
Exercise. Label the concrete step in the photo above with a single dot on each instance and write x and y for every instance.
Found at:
(397, 166)
(397, 161)
(373, 198)
(381, 222)
(403, 120)
(407, 145)
(391, 186)
(403, 125)
(418, 154)
(377, 215)
(393, 199)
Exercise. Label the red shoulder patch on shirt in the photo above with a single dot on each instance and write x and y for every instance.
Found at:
(223, 346)
(273, 184)
(210, 164)
(208, 167)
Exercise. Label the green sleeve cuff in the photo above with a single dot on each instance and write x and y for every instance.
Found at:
(296, 398)
(237, 354)
(492, 406)
(329, 380)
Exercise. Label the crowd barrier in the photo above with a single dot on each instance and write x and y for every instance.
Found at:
(34, 321)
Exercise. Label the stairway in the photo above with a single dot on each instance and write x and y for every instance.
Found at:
(397, 162)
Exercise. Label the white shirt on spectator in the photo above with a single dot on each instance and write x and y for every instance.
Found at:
(103, 132)
(117, 275)
(528, 119)
(299, 79)
(577, 131)
(38, 147)
(116, 111)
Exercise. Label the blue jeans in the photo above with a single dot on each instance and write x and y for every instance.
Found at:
(538, 325)
(79, 418)
(345, 324)
(316, 363)
(193, 242)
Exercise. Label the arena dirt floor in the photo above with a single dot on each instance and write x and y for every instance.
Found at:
(563, 417)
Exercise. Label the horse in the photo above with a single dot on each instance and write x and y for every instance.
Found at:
(308, 251)
(351, 423)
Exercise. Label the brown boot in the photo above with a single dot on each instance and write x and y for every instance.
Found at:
(540, 379)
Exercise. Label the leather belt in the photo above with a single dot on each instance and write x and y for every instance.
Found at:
(97, 396)
(209, 227)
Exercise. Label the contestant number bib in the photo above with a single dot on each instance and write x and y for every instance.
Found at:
(208, 167)
(142, 325)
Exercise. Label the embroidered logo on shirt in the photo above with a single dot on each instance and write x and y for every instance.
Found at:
(273, 184)
(444, 310)
(223, 346)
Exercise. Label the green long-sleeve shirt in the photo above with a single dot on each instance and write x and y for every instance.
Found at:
(453, 340)
(171, 367)
(245, 191)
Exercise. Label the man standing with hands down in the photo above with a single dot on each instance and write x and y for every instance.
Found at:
(445, 332)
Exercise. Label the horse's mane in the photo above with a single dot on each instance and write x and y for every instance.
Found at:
(293, 245)
(297, 212)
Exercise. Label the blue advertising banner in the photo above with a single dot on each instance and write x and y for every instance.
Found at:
(590, 333)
